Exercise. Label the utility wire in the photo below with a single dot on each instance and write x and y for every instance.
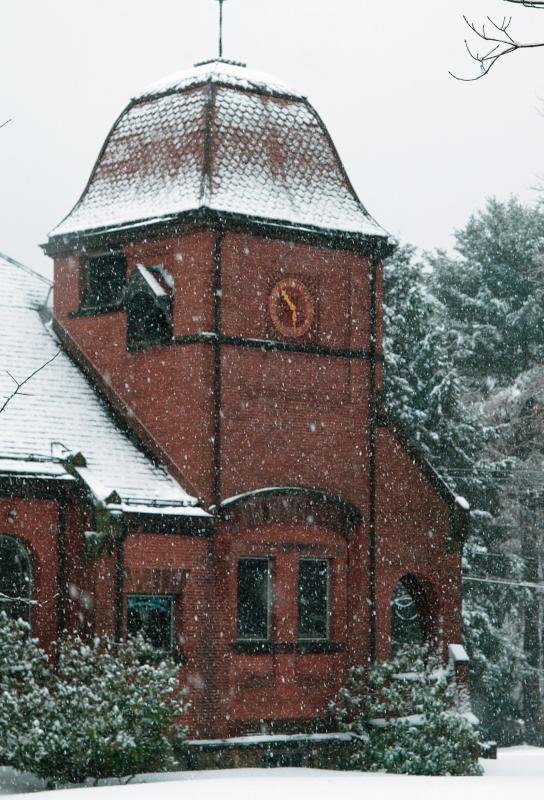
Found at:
(505, 582)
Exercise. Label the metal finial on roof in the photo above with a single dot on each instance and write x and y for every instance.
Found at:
(220, 27)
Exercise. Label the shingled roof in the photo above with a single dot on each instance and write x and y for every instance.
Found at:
(58, 414)
(223, 139)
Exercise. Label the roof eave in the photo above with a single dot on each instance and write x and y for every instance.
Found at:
(377, 245)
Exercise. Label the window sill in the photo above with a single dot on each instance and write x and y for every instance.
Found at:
(162, 655)
(302, 647)
(94, 311)
(250, 648)
(319, 646)
(134, 347)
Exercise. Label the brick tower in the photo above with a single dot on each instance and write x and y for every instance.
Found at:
(220, 283)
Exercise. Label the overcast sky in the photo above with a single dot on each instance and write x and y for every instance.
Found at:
(423, 150)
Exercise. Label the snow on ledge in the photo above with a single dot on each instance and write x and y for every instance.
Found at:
(33, 467)
(263, 739)
(457, 654)
(160, 510)
(462, 503)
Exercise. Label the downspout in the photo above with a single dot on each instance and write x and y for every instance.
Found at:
(373, 417)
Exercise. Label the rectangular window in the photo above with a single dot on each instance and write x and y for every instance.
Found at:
(152, 616)
(313, 598)
(254, 599)
(106, 278)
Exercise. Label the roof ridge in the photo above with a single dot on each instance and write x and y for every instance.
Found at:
(222, 72)
(24, 268)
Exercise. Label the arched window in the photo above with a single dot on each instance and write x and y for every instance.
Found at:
(413, 614)
(148, 303)
(147, 321)
(15, 578)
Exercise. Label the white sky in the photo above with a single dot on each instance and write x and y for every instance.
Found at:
(422, 149)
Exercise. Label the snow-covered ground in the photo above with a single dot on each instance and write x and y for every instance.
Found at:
(517, 769)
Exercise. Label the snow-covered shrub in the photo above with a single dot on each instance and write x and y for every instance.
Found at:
(409, 717)
(105, 709)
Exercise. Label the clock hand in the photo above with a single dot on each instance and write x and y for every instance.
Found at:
(292, 307)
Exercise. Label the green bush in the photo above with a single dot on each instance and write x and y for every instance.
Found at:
(408, 716)
(105, 710)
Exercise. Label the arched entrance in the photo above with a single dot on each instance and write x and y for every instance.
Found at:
(414, 614)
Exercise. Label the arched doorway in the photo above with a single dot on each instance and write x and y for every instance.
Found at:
(414, 614)
(15, 578)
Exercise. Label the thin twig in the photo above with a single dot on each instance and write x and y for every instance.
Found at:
(19, 384)
(5, 122)
(499, 36)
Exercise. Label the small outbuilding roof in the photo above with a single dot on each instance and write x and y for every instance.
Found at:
(58, 419)
(224, 139)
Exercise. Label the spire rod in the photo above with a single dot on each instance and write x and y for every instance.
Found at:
(220, 27)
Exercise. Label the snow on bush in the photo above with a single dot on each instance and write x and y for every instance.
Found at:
(105, 709)
(408, 716)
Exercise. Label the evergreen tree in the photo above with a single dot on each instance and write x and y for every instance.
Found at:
(428, 392)
(106, 709)
(493, 294)
(409, 717)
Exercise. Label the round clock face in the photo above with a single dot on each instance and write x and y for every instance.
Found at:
(291, 307)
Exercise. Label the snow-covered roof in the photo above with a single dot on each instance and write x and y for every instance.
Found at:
(226, 73)
(225, 139)
(58, 413)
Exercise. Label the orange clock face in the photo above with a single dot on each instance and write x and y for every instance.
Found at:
(291, 307)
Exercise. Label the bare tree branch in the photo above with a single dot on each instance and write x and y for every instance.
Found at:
(4, 123)
(527, 3)
(19, 384)
(496, 34)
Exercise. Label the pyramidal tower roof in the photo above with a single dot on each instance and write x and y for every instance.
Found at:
(223, 139)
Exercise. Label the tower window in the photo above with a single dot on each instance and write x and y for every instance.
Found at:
(147, 322)
(15, 579)
(152, 616)
(313, 598)
(106, 277)
(148, 302)
(254, 599)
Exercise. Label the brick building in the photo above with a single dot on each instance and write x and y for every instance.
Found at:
(207, 459)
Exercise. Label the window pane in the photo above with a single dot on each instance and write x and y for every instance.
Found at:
(153, 617)
(106, 277)
(313, 599)
(253, 598)
(15, 579)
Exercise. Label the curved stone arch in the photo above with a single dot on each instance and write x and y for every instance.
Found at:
(415, 613)
(15, 577)
(305, 505)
